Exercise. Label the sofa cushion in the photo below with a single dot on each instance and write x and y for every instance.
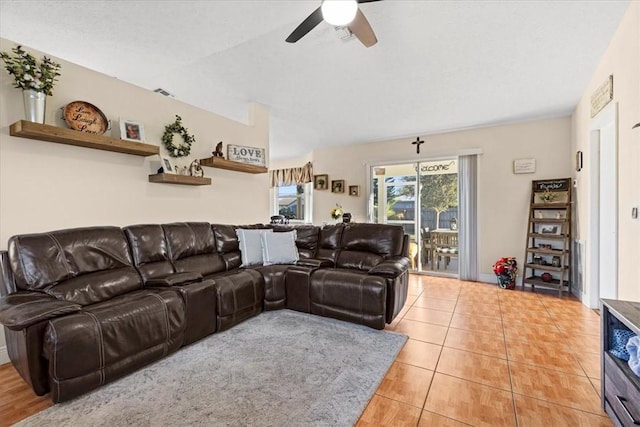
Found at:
(329, 242)
(279, 248)
(307, 237)
(97, 287)
(381, 239)
(251, 246)
(366, 245)
(82, 265)
(192, 247)
(150, 250)
(227, 245)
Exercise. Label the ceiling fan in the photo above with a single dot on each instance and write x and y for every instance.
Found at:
(340, 13)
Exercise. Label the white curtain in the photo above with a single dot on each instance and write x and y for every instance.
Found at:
(468, 221)
(291, 176)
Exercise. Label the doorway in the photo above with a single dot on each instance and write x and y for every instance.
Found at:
(602, 261)
(422, 197)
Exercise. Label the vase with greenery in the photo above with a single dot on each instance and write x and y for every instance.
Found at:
(35, 78)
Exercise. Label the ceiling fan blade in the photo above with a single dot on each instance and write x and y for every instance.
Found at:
(361, 28)
(307, 25)
(367, 1)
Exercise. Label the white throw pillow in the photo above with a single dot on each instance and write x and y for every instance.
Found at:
(250, 245)
(279, 248)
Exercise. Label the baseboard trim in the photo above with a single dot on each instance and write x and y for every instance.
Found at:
(487, 278)
(4, 355)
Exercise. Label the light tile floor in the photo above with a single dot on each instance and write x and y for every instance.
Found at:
(483, 356)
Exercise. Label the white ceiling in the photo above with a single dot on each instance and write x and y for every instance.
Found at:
(438, 65)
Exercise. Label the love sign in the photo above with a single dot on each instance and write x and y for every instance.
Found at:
(250, 155)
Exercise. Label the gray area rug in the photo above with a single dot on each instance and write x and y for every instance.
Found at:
(281, 368)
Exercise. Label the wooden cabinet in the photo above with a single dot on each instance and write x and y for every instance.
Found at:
(548, 250)
(620, 391)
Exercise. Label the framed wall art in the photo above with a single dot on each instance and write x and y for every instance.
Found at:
(167, 165)
(321, 182)
(354, 190)
(550, 229)
(337, 186)
(130, 130)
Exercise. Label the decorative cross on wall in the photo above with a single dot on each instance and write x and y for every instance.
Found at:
(417, 143)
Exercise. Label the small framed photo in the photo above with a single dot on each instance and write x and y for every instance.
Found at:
(337, 186)
(130, 130)
(550, 229)
(167, 166)
(321, 182)
(354, 190)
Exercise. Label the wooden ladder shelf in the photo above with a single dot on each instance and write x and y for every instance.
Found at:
(548, 250)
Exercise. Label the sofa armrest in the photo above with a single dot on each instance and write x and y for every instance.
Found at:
(7, 285)
(315, 262)
(176, 279)
(391, 267)
(22, 309)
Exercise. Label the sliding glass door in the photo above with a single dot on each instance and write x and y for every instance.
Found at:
(423, 198)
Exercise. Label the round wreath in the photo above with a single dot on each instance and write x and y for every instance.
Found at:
(183, 149)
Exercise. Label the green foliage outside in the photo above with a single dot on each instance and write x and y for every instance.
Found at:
(439, 192)
(288, 213)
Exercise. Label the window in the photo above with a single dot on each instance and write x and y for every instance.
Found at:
(293, 202)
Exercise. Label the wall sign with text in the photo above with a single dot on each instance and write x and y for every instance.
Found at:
(249, 155)
(524, 166)
(553, 185)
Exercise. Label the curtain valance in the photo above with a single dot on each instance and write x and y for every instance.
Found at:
(291, 176)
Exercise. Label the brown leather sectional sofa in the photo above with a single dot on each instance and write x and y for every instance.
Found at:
(82, 307)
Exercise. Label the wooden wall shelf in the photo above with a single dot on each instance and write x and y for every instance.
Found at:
(30, 130)
(220, 163)
(169, 178)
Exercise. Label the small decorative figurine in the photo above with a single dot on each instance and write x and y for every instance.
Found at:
(185, 171)
(195, 169)
(218, 152)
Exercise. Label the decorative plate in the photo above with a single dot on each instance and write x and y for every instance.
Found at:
(85, 117)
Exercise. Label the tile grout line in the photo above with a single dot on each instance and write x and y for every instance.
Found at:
(506, 353)
(426, 397)
(564, 335)
(548, 309)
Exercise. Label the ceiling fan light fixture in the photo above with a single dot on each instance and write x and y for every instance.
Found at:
(339, 12)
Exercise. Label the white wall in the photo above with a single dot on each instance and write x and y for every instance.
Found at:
(46, 186)
(622, 60)
(503, 197)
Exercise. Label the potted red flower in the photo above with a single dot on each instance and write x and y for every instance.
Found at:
(506, 269)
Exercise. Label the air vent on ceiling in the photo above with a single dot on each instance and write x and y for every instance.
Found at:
(164, 92)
